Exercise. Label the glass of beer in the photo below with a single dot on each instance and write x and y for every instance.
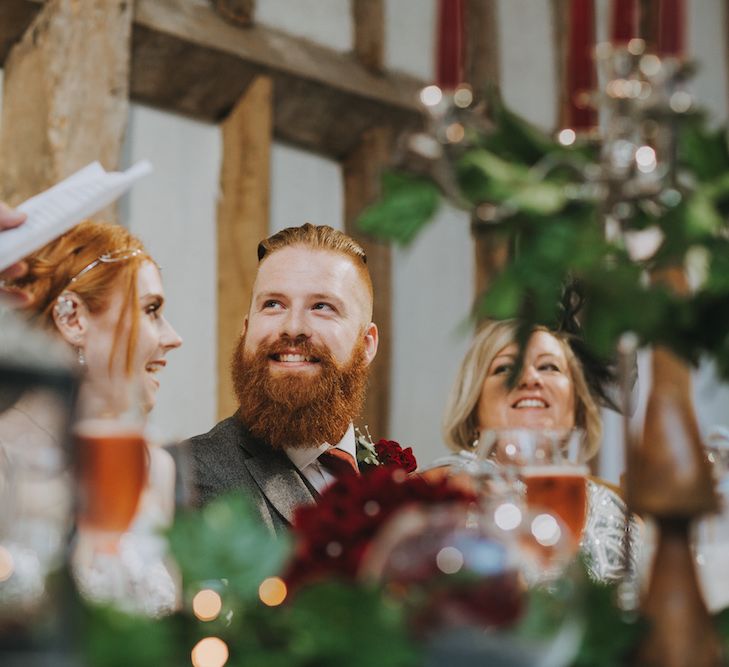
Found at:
(112, 461)
(547, 467)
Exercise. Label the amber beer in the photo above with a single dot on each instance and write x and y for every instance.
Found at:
(113, 471)
(561, 490)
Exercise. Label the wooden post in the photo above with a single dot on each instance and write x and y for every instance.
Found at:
(482, 48)
(369, 27)
(361, 170)
(65, 98)
(482, 73)
(668, 478)
(242, 220)
(361, 187)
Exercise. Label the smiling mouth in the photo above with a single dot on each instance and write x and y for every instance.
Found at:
(155, 366)
(525, 403)
(289, 358)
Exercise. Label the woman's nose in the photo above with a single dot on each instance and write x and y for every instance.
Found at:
(170, 338)
(530, 376)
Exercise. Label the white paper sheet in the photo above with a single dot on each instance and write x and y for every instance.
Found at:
(55, 211)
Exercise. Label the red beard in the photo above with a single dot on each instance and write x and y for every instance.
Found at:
(298, 410)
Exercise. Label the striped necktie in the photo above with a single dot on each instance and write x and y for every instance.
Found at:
(338, 462)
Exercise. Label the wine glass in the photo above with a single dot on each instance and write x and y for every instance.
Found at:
(112, 460)
(546, 468)
(112, 464)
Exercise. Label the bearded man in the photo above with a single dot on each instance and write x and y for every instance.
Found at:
(299, 371)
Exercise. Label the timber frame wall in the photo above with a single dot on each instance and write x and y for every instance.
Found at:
(257, 84)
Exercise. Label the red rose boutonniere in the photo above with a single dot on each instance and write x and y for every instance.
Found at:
(383, 453)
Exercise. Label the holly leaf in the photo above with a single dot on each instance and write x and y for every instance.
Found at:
(408, 202)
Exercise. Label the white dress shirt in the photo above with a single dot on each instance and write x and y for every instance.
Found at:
(306, 459)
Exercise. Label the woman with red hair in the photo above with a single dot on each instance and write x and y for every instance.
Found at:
(98, 290)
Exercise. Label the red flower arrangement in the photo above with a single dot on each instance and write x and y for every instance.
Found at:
(333, 535)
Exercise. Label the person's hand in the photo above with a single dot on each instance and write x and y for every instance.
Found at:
(10, 218)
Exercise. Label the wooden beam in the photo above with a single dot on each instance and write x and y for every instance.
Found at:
(186, 58)
(239, 12)
(323, 100)
(243, 210)
(65, 99)
(15, 17)
(361, 171)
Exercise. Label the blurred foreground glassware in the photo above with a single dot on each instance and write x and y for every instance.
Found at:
(37, 393)
(549, 464)
(112, 461)
(119, 558)
(465, 576)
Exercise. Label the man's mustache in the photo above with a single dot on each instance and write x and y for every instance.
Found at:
(301, 345)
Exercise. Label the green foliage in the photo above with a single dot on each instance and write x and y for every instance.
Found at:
(484, 176)
(703, 152)
(225, 541)
(114, 639)
(225, 547)
(610, 634)
(553, 216)
(721, 621)
(369, 629)
(329, 624)
(408, 202)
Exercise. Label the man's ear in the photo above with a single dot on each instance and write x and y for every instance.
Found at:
(71, 317)
(245, 326)
(371, 338)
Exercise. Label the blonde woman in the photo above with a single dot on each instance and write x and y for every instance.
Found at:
(550, 393)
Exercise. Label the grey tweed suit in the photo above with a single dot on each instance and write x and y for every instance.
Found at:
(228, 457)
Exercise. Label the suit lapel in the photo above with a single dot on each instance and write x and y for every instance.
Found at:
(277, 477)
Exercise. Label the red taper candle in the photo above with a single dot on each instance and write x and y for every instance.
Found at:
(671, 27)
(449, 66)
(624, 21)
(580, 65)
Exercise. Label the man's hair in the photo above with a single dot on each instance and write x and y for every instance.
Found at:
(319, 237)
